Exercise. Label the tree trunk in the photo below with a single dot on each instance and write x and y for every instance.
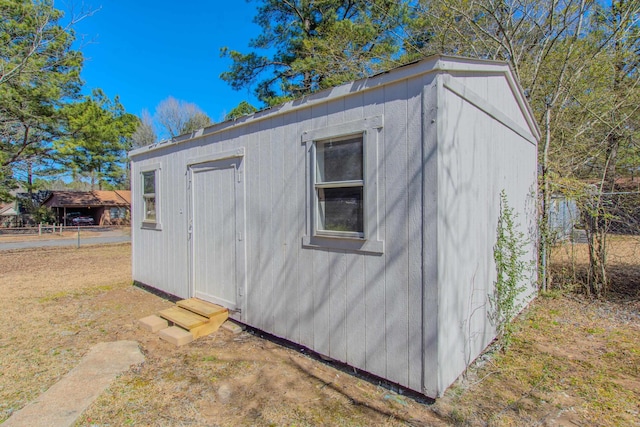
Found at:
(598, 280)
(596, 229)
(29, 177)
(609, 177)
(546, 199)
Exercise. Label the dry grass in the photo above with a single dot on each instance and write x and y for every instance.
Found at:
(573, 361)
(62, 301)
(570, 263)
(49, 316)
(66, 234)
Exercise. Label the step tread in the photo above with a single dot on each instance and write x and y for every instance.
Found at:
(200, 307)
(182, 317)
(212, 326)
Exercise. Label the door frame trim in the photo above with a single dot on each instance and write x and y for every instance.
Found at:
(237, 312)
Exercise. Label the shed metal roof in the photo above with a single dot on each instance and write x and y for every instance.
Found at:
(432, 64)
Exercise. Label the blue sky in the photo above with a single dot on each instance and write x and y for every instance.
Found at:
(145, 51)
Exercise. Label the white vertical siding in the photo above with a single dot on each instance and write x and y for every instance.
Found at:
(279, 196)
(495, 90)
(254, 216)
(293, 154)
(395, 157)
(264, 238)
(321, 261)
(337, 272)
(356, 287)
(306, 267)
(478, 158)
(387, 312)
(374, 268)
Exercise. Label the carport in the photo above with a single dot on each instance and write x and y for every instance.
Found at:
(103, 206)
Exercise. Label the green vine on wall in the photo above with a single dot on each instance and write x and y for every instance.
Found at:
(512, 271)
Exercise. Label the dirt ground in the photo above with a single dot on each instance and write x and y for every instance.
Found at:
(573, 361)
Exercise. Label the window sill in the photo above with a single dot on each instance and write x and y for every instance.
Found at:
(146, 225)
(375, 247)
(353, 235)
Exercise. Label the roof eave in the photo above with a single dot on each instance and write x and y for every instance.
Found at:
(432, 64)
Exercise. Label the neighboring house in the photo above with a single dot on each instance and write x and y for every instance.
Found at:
(104, 207)
(8, 215)
(359, 221)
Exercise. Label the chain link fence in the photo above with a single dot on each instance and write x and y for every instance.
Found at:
(570, 258)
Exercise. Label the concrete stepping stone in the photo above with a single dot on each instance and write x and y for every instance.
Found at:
(65, 401)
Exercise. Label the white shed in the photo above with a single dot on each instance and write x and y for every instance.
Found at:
(358, 222)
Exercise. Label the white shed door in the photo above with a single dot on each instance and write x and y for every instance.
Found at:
(214, 231)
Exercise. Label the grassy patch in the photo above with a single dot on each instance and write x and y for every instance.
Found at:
(559, 365)
(88, 291)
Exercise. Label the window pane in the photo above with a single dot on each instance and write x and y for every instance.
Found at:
(150, 208)
(340, 209)
(149, 182)
(340, 160)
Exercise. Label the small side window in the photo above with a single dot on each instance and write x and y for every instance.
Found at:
(342, 186)
(339, 187)
(149, 196)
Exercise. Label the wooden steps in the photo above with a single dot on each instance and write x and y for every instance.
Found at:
(200, 307)
(183, 318)
(188, 320)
